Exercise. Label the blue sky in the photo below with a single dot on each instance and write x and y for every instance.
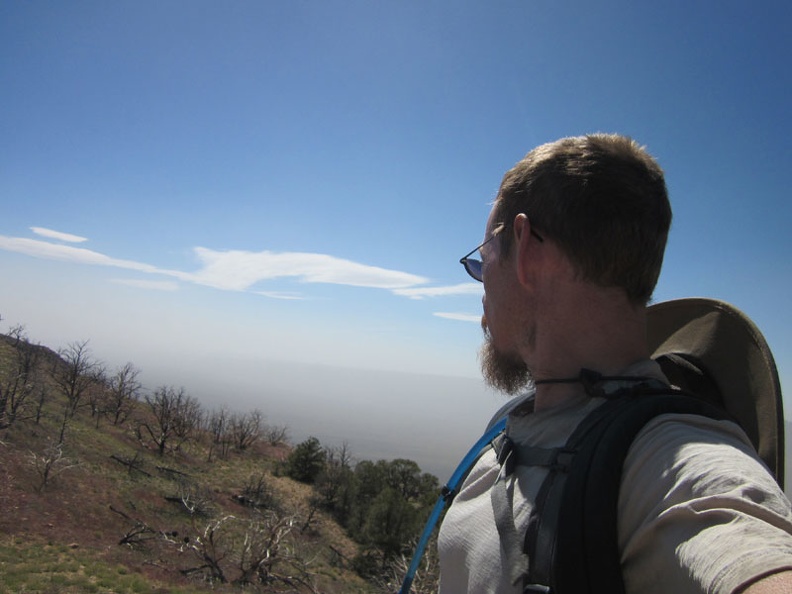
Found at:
(212, 189)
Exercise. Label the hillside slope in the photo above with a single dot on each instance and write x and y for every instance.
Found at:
(106, 509)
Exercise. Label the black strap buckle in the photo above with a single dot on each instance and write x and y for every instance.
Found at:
(563, 459)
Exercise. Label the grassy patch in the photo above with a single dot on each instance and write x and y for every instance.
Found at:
(45, 568)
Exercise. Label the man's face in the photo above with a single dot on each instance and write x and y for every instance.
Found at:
(501, 364)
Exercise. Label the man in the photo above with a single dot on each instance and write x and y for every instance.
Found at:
(572, 251)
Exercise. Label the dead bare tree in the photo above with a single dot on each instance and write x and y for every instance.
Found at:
(188, 420)
(277, 434)
(194, 499)
(141, 533)
(123, 393)
(263, 547)
(261, 553)
(42, 398)
(95, 399)
(132, 464)
(217, 426)
(21, 379)
(257, 493)
(76, 374)
(137, 536)
(210, 550)
(49, 464)
(426, 580)
(175, 417)
(246, 429)
(335, 479)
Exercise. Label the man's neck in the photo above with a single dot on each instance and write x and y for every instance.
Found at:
(589, 328)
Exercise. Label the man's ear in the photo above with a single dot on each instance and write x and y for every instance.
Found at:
(525, 249)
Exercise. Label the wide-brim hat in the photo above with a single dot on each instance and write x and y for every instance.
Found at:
(712, 349)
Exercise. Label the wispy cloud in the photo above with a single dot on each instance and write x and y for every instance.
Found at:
(67, 253)
(280, 295)
(423, 292)
(462, 317)
(232, 270)
(59, 235)
(240, 270)
(157, 285)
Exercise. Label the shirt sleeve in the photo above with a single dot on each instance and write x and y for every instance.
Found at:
(698, 510)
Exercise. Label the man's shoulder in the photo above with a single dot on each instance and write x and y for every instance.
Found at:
(680, 430)
(518, 403)
(700, 457)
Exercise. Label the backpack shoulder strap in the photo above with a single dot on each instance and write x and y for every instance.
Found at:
(577, 551)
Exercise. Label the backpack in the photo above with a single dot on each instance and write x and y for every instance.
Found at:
(719, 366)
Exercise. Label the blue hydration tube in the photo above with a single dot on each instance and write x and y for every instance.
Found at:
(445, 496)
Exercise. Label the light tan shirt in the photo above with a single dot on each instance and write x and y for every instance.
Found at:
(698, 512)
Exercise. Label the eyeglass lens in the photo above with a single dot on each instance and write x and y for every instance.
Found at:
(473, 268)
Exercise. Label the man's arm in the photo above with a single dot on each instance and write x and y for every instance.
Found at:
(777, 583)
(720, 519)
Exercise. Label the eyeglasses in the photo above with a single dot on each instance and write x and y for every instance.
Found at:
(473, 265)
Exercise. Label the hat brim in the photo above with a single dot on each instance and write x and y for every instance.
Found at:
(710, 347)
